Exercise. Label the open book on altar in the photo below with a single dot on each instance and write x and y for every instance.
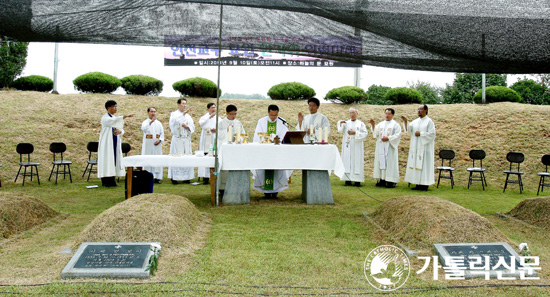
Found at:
(294, 137)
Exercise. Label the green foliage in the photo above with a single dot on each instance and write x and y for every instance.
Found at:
(466, 85)
(13, 58)
(196, 87)
(531, 91)
(377, 95)
(403, 95)
(96, 82)
(141, 85)
(498, 94)
(153, 261)
(290, 91)
(430, 94)
(33, 83)
(347, 95)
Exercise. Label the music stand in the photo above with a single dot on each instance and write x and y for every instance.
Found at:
(294, 137)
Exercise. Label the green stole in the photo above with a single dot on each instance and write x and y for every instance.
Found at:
(270, 174)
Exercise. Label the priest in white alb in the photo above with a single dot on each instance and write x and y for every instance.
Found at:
(386, 162)
(109, 152)
(271, 182)
(208, 137)
(353, 156)
(181, 126)
(153, 139)
(315, 124)
(420, 164)
(230, 129)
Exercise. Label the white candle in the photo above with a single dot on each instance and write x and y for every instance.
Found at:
(238, 134)
(326, 135)
(319, 133)
(311, 131)
(230, 134)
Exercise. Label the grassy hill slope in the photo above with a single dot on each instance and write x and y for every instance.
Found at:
(498, 128)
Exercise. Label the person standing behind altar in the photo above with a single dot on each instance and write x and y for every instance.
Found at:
(230, 128)
(353, 157)
(420, 165)
(271, 182)
(153, 139)
(386, 162)
(312, 122)
(109, 153)
(208, 137)
(181, 126)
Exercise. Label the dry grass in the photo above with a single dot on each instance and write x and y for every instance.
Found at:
(418, 222)
(535, 211)
(20, 212)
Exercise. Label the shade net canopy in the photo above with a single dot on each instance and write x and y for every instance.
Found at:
(497, 36)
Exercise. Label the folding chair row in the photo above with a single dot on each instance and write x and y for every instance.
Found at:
(57, 148)
(514, 158)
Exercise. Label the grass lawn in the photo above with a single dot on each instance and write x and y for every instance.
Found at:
(270, 247)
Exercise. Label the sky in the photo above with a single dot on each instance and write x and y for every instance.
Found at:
(123, 60)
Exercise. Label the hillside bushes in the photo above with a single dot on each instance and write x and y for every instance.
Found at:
(402, 95)
(196, 87)
(141, 85)
(96, 82)
(33, 83)
(290, 91)
(498, 94)
(347, 95)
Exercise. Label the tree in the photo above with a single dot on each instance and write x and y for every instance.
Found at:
(13, 58)
(377, 95)
(531, 91)
(430, 94)
(466, 85)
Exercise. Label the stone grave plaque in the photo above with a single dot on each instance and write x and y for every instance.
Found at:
(110, 260)
(494, 251)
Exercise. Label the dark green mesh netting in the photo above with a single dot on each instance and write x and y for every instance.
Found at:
(498, 36)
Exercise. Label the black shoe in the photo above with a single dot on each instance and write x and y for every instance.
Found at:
(381, 183)
(206, 181)
(390, 185)
(357, 184)
(221, 193)
(186, 182)
(157, 181)
(274, 195)
(267, 196)
(174, 182)
(348, 183)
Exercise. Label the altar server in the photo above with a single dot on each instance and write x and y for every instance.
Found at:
(354, 134)
(313, 123)
(181, 126)
(386, 162)
(208, 137)
(420, 164)
(230, 129)
(109, 153)
(153, 139)
(271, 182)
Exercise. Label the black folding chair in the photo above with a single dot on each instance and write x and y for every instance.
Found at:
(57, 149)
(92, 148)
(477, 155)
(515, 159)
(125, 147)
(546, 161)
(446, 155)
(26, 149)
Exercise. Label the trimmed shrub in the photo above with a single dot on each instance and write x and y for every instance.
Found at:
(347, 95)
(498, 94)
(197, 87)
(377, 95)
(403, 95)
(141, 85)
(33, 83)
(96, 82)
(290, 91)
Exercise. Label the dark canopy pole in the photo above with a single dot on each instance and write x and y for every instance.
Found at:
(216, 151)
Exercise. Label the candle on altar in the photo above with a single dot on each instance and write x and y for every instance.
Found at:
(230, 134)
(319, 134)
(326, 135)
(311, 131)
(238, 134)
